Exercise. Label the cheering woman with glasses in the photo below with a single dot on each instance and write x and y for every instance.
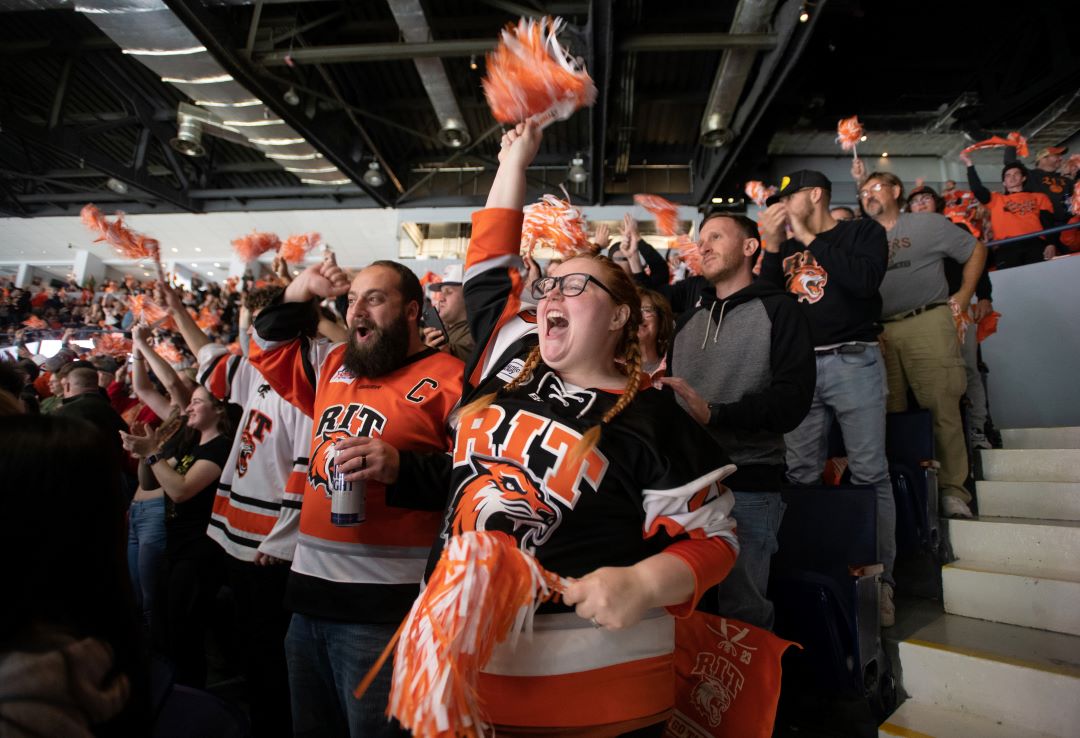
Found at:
(613, 487)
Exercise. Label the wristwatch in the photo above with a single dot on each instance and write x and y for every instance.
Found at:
(152, 459)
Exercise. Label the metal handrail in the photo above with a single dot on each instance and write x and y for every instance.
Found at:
(1035, 234)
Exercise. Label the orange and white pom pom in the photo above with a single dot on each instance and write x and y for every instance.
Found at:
(296, 247)
(208, 319)
(484, 591)
(128, 243)
(1013, 139)
(758, 192)
(35, 323)
(848, 133)
(253, 245)
(1074, 201)
(688, 250)
(169, 352)
(148, 311)
(112, 344)
(554, 223)
(530, 75)
(665, 212)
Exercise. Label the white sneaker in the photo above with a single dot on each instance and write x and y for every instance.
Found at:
(887, 608)
(979, 440)
(954, 507)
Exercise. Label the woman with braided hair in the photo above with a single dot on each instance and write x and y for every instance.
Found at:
(611, 486)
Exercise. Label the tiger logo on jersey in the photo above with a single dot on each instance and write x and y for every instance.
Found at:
(247, 449)
(502, 496)
(711, 699)
(321, 466)
(806, 279)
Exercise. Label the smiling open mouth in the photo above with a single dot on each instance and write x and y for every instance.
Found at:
(555, 320)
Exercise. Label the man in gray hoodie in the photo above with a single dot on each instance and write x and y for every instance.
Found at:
(743, 365)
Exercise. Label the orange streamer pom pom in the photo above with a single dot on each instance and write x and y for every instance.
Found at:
(1074, 201)
(665, 212)
(758, 192)
(112, 344)
(554, 223)
(130, 244)
(848, 133)
(1013, 139)
(150, 312)
(297, 246)
(253, 245)
(529, 74)
(429, 278)
(169, 352)
(987, 326)
(208, 319)
(35, 323)
(483, 591)
(688, 250)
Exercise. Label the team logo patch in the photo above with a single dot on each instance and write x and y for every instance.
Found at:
(342, 375)
(247, 448)
(806, 279)
(501, 495)
(511, 370)
(322, 460)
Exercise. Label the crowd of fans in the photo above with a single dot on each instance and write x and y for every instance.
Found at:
(207, 412)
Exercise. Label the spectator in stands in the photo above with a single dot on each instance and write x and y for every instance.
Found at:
(188, 472)
(655, 332)
(1046, 178)
(55, 400)
(925, 200)
(350, 587)
(257, 509)
(834, 269)
(83, 399)
(71, 661)
(842, 212)
(652, 273)
(921, 348)
(449, 301)
(1015, 213)
(743, 366)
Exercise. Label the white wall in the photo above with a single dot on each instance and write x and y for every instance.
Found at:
(1034, 358)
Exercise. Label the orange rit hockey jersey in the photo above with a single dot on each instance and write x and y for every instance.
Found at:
(368, 573)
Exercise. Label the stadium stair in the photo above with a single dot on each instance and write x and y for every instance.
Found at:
(1004, 658)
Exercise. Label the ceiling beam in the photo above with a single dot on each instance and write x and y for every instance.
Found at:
(68, 142)
(392, 51)
(325, 133)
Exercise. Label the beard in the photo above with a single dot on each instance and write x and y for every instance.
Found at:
(381, 355)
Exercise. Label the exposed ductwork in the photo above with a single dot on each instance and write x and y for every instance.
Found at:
(149, 31)
(751, 16)
(414, 29)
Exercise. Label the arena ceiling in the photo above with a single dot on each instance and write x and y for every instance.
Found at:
(694, 98)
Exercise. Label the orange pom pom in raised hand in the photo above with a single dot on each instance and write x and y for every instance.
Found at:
(112, 344)
(665, 212)
(483, 591)
(1013, 139)
(758, 192)
(253, 245)
(554, 223)
(848, 133)
(128, 243)
(296, 247)
(35, 323)
(688, 250)
(530, 75)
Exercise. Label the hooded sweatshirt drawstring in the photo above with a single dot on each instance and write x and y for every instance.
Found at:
(720, 322)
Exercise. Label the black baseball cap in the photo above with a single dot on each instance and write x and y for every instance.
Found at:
(800, 180)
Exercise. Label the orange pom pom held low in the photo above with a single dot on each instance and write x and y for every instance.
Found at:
(530, 75)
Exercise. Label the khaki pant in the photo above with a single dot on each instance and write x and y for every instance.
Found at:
(922, 353)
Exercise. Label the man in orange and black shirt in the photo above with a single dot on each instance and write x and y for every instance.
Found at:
(1046, 179)
(1014, 213)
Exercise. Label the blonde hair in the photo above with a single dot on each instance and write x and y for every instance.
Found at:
(627, 351)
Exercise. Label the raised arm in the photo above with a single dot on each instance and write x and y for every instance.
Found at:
(974, 183)
(193, 335)
(177, 390)
(145, 390)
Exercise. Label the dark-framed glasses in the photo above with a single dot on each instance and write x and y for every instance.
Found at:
(570, 285)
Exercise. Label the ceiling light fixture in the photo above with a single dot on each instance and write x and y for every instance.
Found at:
(577, 171)
(212, 80)
(472, 63)
(161, 52)
(453, 134)
(116, 186)
(373, 177)
(198, 248)
(291, 96)
(884, 154)
(804, 14)
(188, 139)
(862, 138)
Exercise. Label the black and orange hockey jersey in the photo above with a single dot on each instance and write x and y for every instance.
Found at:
(257, 507)
(370, 572)
(651, 485)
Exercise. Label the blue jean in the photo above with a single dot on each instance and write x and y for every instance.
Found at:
(742, 593)
(145, 547)
(326, 660)
(851, 388)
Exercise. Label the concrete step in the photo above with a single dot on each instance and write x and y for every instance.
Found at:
(1033, 598)
(1017, 542)
(1061, 437)
(1031, 465)
(999, 672)
(917, 720)
(1047, 500)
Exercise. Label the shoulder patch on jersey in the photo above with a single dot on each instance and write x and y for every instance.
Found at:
(343, 375)
(511, 370)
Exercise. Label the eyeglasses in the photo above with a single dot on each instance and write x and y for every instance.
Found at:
(571, 285)
(922, 198)
(876, 187)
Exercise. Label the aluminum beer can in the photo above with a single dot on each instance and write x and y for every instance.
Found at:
(347, 499)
